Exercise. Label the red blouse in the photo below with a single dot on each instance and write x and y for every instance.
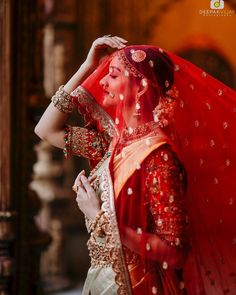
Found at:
(85, 142)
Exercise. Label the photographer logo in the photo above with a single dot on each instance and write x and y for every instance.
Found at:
(217, 4)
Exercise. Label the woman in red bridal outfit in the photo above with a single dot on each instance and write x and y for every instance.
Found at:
(159, 201)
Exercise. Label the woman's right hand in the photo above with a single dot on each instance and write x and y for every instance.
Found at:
(99, 50)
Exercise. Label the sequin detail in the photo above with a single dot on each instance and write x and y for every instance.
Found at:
(165, 185)
(85, 142)
(138, 55)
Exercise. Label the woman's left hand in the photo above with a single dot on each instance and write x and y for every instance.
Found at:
(87, 200)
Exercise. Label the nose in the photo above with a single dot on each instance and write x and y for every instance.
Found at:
(103, 82)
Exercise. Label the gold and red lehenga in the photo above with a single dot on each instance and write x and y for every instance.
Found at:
(166, 186)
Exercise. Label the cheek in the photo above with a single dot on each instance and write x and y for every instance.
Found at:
(109, 101)
(118, 84)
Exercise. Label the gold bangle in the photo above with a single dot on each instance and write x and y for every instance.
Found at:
(62, 100)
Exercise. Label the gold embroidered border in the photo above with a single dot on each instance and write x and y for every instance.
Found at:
(116, 254)
(92, 109)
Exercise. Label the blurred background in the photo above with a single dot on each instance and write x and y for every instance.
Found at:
(42, 43)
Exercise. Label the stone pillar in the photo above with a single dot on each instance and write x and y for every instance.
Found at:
(21, 242)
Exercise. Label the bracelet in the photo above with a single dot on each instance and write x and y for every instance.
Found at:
(63, 101)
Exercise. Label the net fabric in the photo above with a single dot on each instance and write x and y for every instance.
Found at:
(172, 103)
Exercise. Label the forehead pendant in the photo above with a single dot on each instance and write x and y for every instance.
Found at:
(138, 55)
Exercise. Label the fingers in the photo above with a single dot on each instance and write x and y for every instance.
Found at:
(118, 42)
(113, 41)
(77, 180)
(121, 39)
(91, 179)
(86, 184)
(78, 183)
(81, 193)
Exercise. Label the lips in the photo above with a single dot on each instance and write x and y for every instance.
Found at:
(108, 93)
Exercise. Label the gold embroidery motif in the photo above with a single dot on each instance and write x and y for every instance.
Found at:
(99, 253)
(99, 243)
(92, 111)
(166, 196)
(87, 143)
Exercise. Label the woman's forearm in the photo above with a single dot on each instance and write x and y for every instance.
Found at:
(51, 124)
(83, 72)
(154, 247)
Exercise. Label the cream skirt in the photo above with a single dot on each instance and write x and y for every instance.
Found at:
(100, 281)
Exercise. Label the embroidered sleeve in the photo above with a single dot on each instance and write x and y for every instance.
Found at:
(165, 192)
(84, 142)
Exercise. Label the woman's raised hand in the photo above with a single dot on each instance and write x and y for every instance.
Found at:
(100, 49)
(87, 200)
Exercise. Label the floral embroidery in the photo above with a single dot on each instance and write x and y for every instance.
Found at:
(92, 111)
(85, 142)
(99, 251)
(108, 250)
(165, 193)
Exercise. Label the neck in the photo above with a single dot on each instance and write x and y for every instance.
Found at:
(133, 121)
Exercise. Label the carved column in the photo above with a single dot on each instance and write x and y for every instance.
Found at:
(21, 243)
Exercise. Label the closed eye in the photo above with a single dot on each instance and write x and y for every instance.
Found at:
(113, 76)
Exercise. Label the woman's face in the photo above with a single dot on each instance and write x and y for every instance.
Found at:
(116, 84)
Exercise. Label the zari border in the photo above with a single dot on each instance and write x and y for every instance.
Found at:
(88, 107)
(117, 257)
(131, 69)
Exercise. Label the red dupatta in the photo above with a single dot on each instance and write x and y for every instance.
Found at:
(197, 115)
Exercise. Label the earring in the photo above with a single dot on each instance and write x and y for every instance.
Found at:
(144, 84)
(137, 112)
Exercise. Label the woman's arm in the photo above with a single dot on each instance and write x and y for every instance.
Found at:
(52, 123)
(154, 247)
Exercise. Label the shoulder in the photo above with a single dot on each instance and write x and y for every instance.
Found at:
(163, 155)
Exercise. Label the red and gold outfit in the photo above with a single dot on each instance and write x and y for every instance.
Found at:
(166, 185)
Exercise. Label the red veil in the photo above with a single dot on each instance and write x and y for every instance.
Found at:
(197, 115)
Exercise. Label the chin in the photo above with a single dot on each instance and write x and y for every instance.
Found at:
(108, 101)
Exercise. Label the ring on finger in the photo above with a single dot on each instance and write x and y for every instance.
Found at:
(75, 188)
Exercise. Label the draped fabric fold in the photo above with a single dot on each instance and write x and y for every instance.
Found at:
(173, 158)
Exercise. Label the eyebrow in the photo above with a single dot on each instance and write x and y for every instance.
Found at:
(113, 67)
